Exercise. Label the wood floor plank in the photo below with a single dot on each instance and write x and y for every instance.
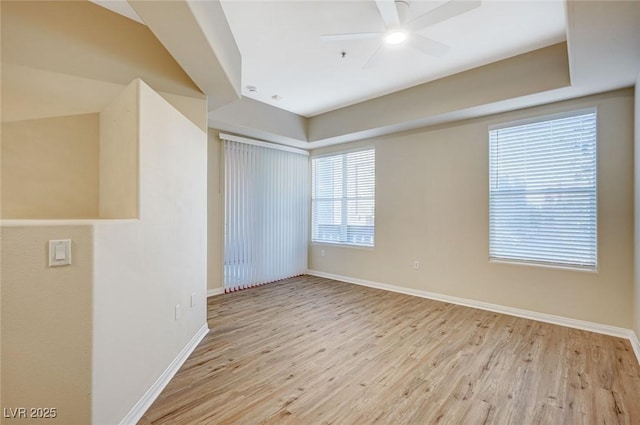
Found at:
(309, 351)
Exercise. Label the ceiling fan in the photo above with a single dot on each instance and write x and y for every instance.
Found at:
(399, 30)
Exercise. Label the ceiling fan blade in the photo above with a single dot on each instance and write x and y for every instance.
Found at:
(442, 13)
(351, 36)
(374, 58)
(389, 13)
(427, 45)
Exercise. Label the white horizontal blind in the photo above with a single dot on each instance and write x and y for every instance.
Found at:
(543, 191)
(266, 214)
(343, 198)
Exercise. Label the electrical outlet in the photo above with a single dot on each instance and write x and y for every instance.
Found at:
(178, 312)
(322, 252)
(416, 265)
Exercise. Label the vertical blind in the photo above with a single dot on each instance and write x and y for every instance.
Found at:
(266, 213)
(543, 191)
(343, 198)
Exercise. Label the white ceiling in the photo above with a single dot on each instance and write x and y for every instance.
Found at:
(285, 57)
(282, 53)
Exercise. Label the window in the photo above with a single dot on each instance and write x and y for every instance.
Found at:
(343, 198)
(542, 190)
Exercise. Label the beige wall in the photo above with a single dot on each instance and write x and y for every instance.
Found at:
(30, 93)
(636, 316)
(261, 121)
(46, 323)
(71, 335)
(50, 167)
(432, 206)
(119, 156)
(73, 57)
(65, 59)
(215, 212)
(85, 40)
(144, 268)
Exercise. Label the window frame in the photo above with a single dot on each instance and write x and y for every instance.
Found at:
(533, 120)
(344, 199)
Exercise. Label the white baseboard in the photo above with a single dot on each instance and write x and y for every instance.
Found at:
(215, 291)
(152, 393)
(511, 311)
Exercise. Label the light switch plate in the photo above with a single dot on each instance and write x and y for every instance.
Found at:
(59, 252)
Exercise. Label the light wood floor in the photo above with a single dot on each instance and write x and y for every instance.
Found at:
(315, 351)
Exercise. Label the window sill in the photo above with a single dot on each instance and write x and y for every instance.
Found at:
(343, 245)
(544, 265)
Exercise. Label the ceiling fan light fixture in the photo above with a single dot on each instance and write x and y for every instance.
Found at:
(395, 37)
